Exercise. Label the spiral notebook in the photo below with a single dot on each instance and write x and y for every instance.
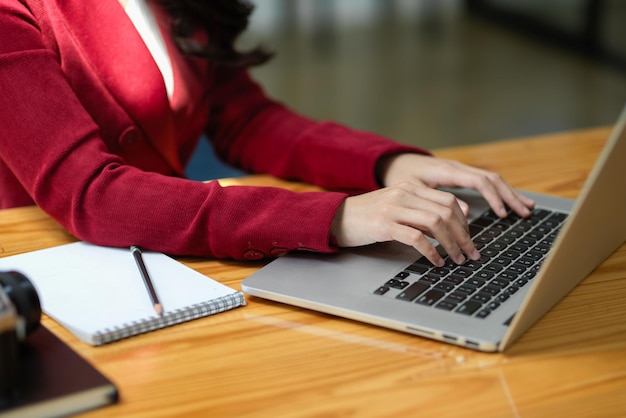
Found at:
(98, 294)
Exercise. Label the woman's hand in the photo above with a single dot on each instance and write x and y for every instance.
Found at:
(407, 213)
(435, 172)
(410, 208)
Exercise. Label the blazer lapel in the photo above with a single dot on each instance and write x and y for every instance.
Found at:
(112, 44)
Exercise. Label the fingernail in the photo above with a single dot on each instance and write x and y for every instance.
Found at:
(474, 255)
(460, 259)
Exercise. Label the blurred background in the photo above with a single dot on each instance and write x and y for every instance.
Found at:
(440, 73)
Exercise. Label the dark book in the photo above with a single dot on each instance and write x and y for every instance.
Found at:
(54, 380)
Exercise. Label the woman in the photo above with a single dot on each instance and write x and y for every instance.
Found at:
(103, 102)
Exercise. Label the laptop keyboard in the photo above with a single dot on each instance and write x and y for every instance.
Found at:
(512, 250)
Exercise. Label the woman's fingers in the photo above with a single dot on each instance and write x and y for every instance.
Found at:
(498, 193)
(436, 172)
(439, 215)
(407, 213)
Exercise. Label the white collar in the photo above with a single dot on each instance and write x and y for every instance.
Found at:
(142, 17)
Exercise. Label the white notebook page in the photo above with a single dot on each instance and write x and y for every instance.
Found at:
(90, 289)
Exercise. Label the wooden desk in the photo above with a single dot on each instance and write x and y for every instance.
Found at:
(271, 360)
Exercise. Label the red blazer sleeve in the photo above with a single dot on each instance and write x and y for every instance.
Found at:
(65, 157)
(263, 136)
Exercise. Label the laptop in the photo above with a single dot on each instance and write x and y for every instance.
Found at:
(527, 266)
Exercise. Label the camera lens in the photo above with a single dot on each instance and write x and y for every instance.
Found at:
(24, 296)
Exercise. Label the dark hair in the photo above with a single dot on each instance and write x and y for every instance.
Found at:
(222, 21)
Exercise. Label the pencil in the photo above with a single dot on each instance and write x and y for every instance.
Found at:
(136, 252)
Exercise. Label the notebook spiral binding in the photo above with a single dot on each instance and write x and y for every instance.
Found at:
(170, 318)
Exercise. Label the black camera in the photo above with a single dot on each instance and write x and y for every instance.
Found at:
(20, 313)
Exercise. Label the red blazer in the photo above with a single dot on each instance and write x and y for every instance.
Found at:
(87, 133)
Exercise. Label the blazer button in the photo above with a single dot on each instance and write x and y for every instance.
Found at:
(278, 251)
(253, 255)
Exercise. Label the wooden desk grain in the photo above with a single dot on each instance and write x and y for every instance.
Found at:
(271, 360)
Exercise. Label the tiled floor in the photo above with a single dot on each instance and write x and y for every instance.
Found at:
(441, 81)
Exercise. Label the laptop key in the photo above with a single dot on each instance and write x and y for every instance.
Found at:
(483, 239)
(423, 261)
(496, 268)
(381, 290)
(520, 282)
(430, 297)
(498, 245)
(542, 230)
(507, 239)
(492, 232)
(511, 254)
(417, 268)
(508, 275)
(481, 297)
(523, 227)
(413, 291)
(540, 213)
(446, 305)
(481, 222)
(445, 285)
(501, 226)
(517, 268)
(402, 275)
(455, 279)
(533, 255)
(491, 290)
(476, 282)
(529, 275)
(457, 297)
(525, 261)
(514, 234)
(449, 264)
(502, 261)
(503, 297)
(511, 290)
(499, 282)
(493, 305)
(529, 242)
(430, 278)
(536, 235)
(555, 220)
(520, 248)
(484, 275)
(463, 272)
(483, 313)
(474, 230)
(397, 284)
(490, 214)
(489, 252)
(508, 221)
(467, 289)
(440, 271)
(542, 248)
(469, 307)
(473, 264)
